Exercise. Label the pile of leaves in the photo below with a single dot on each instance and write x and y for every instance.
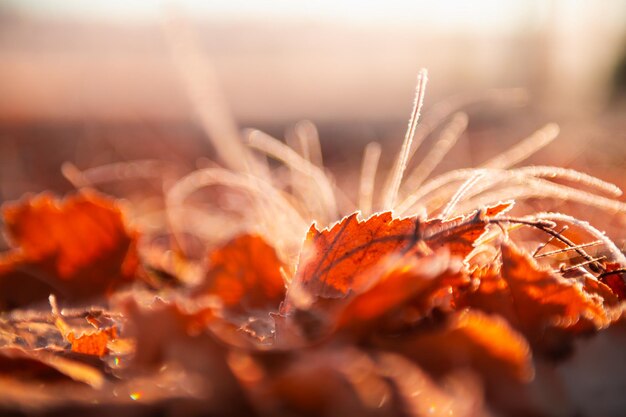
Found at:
(442, 303)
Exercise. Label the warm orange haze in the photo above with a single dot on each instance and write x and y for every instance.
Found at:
(312, 209)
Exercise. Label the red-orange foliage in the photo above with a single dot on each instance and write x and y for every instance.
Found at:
(377, 310)
(77, 247)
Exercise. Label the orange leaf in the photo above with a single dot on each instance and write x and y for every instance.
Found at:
(331, 259)
(245, 275)
(499, 208)
(470, 338)
(543, 299)
(457, 234)
(333, 262)
(606, 293)
(79, 246)
(615, 279)
(490, 294)
(404, 280)
(92, 343)
(348, 381)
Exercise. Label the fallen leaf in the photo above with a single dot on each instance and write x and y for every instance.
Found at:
(401, 280)
(499, 208)
(457, 234)
(615, 279)
(77, 247)
(489, 293)
(487, 343)
(245, 274)
(542, 299)
(90, 341)
(40, 363)
(347, 381)
(167, 336)
(331, 259)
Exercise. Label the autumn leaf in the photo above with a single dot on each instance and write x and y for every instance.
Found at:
(245, 274)
(40, 363)
(166, 334)
(333, 261)
(401, 281)
(469, 338)
(542, 299)
(615, 279)
(91, 342)
(20, 283)
(78, 247)
(333, 258)
(548, 308)
(460, 234)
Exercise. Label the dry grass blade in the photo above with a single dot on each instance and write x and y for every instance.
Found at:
(280, 151)
(617, 254)
(448, 138)
(397, 172)
(203, 88)
(524, 148)
(522, 182)
(461, 192)
(280, 219)
(118, 171)
(369, 167)
(310, 142)
(440, 111)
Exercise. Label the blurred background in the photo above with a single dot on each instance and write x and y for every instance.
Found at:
(98, 82)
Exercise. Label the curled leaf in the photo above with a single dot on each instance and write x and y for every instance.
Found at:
(91, 341)
(460, 233)
(544, 299)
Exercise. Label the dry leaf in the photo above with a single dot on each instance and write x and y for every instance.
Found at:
(400, 281)
(458, 234)
(92, 343)
(245, 274)
(333, 258)
(77, 247)
(39, 363)
(543, 300)
(615, 279)
(486, 343)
